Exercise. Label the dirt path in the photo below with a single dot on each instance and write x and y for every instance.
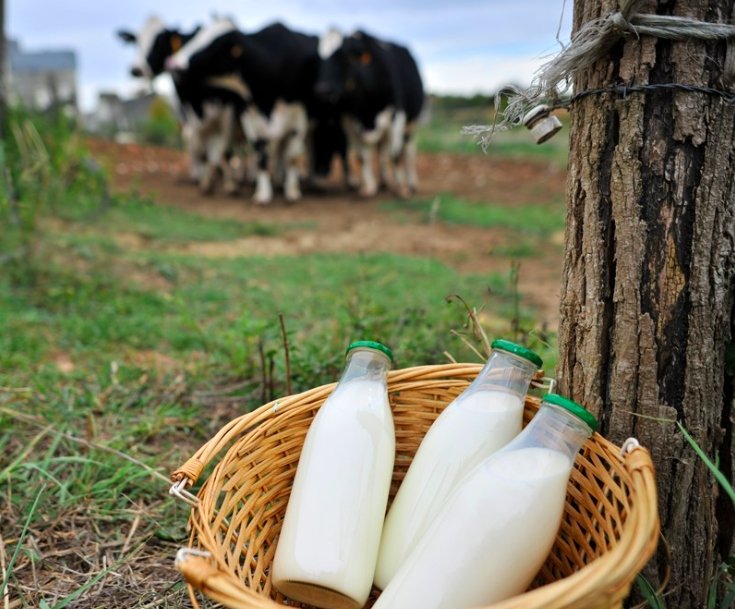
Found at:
(337, 221)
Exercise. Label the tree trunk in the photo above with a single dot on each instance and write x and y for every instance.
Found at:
(648, 284)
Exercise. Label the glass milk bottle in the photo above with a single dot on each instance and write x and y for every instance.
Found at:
(329, 542)
(494, 533)
(485, 417)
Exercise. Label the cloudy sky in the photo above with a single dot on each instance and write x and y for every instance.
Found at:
(462, 46)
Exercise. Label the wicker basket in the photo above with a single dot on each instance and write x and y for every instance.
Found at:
(608, 533)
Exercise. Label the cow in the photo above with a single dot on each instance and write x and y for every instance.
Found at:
(279, 67)
(377, 87)
(327, 140)
(209, 107)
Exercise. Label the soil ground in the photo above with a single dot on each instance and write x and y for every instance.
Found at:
(337, 220)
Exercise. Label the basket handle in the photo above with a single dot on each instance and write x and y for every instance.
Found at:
(201, 574)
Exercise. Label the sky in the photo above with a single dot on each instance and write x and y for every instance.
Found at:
(461, 46)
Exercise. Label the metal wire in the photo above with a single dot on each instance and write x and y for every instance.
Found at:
(624, 90)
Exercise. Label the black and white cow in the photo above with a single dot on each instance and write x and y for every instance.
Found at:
(327, 141)
(377, 87)
(209, 106)
(279, 67)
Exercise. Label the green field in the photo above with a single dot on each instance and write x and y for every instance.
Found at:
(121, 354)
(442, 132)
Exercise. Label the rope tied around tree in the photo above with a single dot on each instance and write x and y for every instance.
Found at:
(591, 43)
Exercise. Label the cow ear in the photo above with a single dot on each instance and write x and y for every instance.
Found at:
(236, 51)
(127, 37)
(175, 43)
(366, 58)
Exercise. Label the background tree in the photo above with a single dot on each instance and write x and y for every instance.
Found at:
(648, 286)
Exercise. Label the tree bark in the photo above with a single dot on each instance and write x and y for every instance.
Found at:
(648, 284)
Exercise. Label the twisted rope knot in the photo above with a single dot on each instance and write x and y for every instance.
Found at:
(592, 42)
(620, 24)
(190, 470)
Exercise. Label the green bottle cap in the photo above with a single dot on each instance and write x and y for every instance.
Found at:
(519, 350)
(371, 344)
(576, 409)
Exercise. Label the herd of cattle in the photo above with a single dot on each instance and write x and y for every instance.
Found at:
(295, 101)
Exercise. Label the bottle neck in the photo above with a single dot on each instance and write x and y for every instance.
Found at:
(504, 371)
(366, 364)
(555, 428)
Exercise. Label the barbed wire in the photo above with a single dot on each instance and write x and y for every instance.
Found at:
(593, 42)
(624, 90)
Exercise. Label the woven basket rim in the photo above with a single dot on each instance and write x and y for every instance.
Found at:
(609, 575)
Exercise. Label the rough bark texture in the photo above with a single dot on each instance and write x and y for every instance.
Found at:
(648, 286)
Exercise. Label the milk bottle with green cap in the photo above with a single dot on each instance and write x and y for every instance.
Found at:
(485, 417)
(329, 542)
(498, 526)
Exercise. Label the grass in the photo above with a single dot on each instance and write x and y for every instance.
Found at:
(118, 360)
(443, 133)
(518, 250)
(117, 363)
(221, 307)
(150, 220)
(528, 219)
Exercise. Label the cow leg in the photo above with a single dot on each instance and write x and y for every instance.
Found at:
(191, 135)
(211, 131)
(369, 186)
(310, 156)
(229, 173)
(218, 159)
(410, 160)
(396, 143)
(384, 161)
(352, 182)
(237, 163)
(349, 178)
(378, 137)
(399, 166)
(251, 165)
(263, 188)
(195, 151)
(227, 130)
(210, 155)
(255, 130)
(293, 152)
(216, 151)
(278, 162)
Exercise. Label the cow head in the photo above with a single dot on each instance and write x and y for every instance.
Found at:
(346, 63)
(155, 43)
(216, 49)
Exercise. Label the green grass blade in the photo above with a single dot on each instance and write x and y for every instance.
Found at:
(81, 590)
(651, 596)
(22, 537)
(712, 593)
(729, 598)
(719, 476)
(23, 454)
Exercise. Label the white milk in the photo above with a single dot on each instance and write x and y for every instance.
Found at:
(470, 429)
(491, 538)
(329, 542)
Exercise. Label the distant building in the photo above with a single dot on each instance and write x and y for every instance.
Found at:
(115, 114)
(42, 79)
